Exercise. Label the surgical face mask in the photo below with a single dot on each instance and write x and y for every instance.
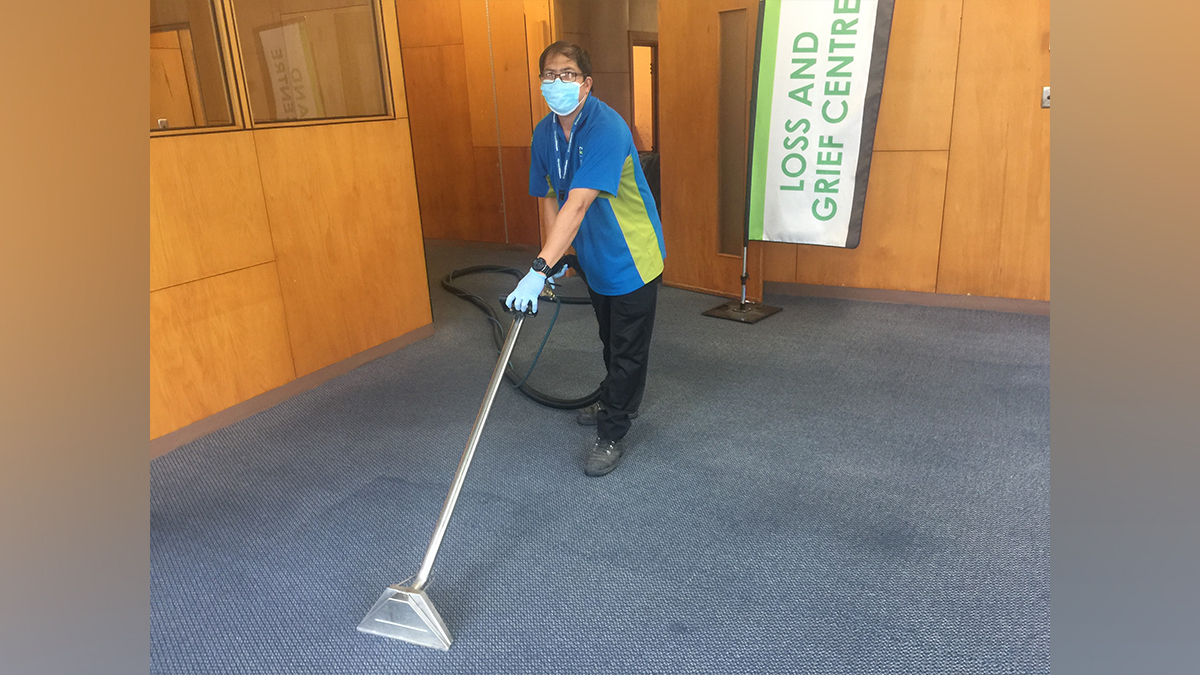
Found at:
(562, 97)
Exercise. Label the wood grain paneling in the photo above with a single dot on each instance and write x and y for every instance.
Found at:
(503, 54)
(428, 23)
(688, 53)
(918, 86)
(207, 214)
(164, 39)
(902, 223)
(215, 343)
(520, 208)
(513, 72)
(539, 35)
(441, 138)
(779, 261)
(487, 224)
(995, 238)
(477, 58)
(458, 130)
(343, 209)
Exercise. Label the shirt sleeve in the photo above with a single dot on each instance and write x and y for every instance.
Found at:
(603, 161)
(539, 177)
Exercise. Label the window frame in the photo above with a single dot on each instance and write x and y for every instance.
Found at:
(233, 92)
(238, 87)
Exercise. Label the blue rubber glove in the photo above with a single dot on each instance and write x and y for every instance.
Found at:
(560, 275)
(524, 297)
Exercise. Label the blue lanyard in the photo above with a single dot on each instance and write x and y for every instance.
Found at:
(562, 167)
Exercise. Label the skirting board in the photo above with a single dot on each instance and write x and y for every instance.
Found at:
(909, 297)
(168, 442)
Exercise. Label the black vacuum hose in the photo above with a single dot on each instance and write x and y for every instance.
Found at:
(498, 333)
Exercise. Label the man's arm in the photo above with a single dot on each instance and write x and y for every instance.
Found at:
(562, 224)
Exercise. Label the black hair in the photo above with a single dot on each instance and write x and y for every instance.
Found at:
(572, 51)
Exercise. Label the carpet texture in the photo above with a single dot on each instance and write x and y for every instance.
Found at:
(845, 487)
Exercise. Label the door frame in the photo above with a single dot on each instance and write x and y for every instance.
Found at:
(645, 39)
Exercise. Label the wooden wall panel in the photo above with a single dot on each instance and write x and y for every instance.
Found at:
(496, 67)
(995, 239)
(539, 35)
(343, 206)
(458, 131)
(506, 57)
(513, 71)
(918, 87)
(215, 343)
(487, 222)
(779, 261)
(478, 59)
(428, 23)
(902, 223)
(520, 208)
(689, 53)
(441, 138)
(207, 214)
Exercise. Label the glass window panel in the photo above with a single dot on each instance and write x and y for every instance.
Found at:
(188, 87)
(311, 59)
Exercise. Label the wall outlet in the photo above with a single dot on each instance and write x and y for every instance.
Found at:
(162, 121)
(1045, 97)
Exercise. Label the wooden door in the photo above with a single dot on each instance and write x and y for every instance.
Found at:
(701, 183)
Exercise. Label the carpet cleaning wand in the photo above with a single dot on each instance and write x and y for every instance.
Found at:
(405, 612)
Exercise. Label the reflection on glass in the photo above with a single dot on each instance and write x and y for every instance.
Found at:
(308, 60)
(187, 69)
(731, 133)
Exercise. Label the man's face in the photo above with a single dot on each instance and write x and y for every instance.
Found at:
(557, 64)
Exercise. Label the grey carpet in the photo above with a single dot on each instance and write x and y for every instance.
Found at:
(846, 487)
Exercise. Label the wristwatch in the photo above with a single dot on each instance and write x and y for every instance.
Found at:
(539, 265)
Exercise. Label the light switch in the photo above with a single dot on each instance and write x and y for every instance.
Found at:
(1045, 97)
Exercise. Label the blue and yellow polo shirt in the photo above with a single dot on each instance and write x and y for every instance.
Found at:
(620, 242)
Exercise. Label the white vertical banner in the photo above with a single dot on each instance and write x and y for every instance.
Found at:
(288, 56)
(819, 76)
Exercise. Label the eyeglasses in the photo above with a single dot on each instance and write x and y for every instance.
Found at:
(567, 76)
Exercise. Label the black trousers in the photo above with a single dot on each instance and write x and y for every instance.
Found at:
(626, 323)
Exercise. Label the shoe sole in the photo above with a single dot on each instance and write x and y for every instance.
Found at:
(591, 474)
(592, 421)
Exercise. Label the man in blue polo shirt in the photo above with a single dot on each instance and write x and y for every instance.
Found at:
(586, 171)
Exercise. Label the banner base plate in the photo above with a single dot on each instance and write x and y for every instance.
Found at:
(750, 312)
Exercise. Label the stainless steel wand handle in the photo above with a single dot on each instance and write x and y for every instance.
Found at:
(461, 474)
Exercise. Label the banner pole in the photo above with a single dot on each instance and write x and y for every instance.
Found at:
(748, 312)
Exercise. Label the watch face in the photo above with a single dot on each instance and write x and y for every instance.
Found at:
(539, 265)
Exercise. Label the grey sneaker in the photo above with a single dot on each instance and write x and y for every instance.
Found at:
(587, 416)
(604, 457)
